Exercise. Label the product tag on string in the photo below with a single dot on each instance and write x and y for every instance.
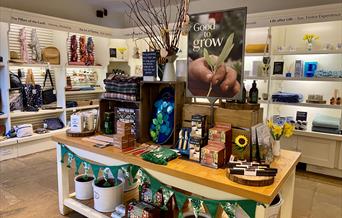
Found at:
(34, 91)
(54, 91)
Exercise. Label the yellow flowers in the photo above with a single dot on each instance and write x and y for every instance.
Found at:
(310, 37)
(277, 131)
(241, 141)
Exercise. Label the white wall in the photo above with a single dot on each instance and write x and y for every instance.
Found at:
(77, 10)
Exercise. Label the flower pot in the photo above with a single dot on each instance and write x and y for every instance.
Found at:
(169, 73)
(107, 198)
(83, 187)
(274, 209)
(276, 148)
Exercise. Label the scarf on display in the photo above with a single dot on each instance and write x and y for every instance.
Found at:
(229, 206)
(23, 44)
(35, 46)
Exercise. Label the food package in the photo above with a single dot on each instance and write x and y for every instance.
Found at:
(212, 156)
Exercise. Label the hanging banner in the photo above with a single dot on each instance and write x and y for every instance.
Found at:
(215, 54)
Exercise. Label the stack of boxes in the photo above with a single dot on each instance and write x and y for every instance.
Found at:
(198, 136)
(219, 147)
(123, 137)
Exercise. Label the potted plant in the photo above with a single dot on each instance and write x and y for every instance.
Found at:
(108, 192)
(277, 130)
(83, 184)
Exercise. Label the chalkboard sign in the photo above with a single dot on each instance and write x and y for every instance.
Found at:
(150, 64)
(112, 52)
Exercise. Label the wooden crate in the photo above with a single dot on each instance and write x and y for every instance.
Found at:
(238, 118)
(149, 92)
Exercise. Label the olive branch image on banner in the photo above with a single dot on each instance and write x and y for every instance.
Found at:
(215, 54)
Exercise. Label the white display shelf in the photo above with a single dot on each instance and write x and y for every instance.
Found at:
(305, 52)
(36, 136)
(40, 112)
(309, 105)
(84, 92)
(256, 78)
(118, 60)
(308, 79)
(256, 54)
(82, 107)
(318, 135)
(83, 209)
(4, 116)
(8, 142)
(33, 65)
(83, 67)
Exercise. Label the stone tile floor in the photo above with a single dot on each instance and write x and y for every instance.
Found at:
(28, 188)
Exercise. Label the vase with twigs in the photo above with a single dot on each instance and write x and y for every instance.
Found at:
(162, 29)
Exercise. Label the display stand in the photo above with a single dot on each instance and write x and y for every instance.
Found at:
(209, 183)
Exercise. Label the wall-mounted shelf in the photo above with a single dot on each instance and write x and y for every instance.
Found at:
(40, 112)
(305, 52)
(321, 79)
(82, 107)
(84, 92)
(33, 65)
(3, 116)
(118, 60)
(337, 107)
(256, 54)
(319, 135)
(256, 78)
(83, 67)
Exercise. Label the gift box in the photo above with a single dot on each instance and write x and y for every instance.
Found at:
(222, 133)
(123, 141)
(142, 210)
(212, 156)
(195, 145)
(145, 195)
(128, 115)
(199, 126)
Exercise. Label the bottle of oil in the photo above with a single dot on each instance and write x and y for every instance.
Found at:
(254, 93)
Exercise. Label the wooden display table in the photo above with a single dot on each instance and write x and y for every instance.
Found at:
(183, 174)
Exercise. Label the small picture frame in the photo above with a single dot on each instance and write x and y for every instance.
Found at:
(112, 53)
(278, 68)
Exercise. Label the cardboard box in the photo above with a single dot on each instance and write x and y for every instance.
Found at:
(199, 126)
(122, 141)
(212, 156)
(195, 145)
(143, 210)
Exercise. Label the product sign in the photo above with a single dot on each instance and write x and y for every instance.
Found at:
(150, 63)
(215, 50)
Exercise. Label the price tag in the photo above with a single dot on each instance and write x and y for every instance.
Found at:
(34, 91)
(54, 91)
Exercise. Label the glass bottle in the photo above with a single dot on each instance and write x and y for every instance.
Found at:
(108, 123)
(253, 93)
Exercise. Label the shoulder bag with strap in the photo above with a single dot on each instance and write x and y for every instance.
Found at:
(32, 93)
(49, 95)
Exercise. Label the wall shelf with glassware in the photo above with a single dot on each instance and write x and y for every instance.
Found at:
(82, 108)
(320, 79)
(337, 107)
(306, 52)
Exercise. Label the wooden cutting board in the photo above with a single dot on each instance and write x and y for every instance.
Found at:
(251, 180)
